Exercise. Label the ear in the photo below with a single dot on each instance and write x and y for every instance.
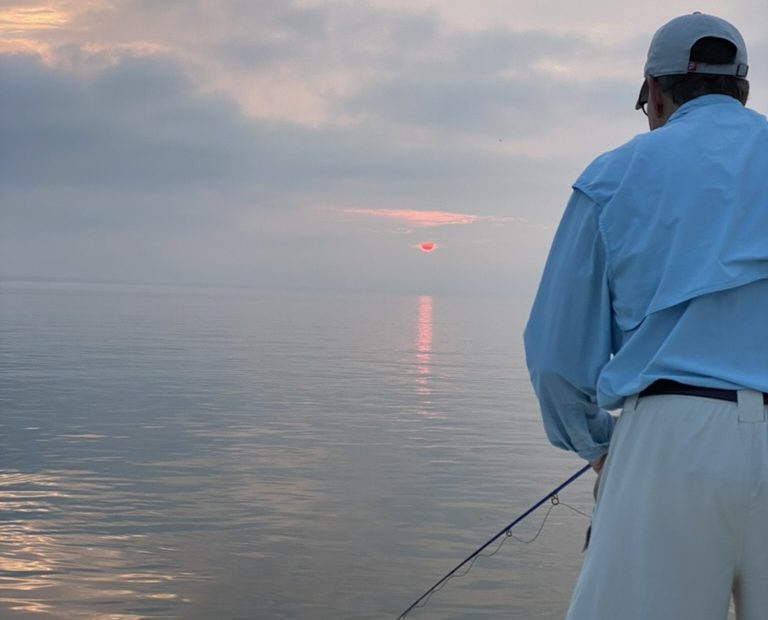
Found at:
(655, 97)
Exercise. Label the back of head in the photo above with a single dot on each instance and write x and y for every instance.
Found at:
(710, 51)
(695, 55)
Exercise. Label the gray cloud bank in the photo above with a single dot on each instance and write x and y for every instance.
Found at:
(129, 159)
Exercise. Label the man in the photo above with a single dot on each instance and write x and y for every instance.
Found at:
(654, 298)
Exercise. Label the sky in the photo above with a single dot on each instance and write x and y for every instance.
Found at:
(315, 144)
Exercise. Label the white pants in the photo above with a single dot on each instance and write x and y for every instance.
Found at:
(681, 519)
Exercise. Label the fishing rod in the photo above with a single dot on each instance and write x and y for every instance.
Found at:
(505, 531)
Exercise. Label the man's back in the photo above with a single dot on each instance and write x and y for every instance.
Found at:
(683, 215)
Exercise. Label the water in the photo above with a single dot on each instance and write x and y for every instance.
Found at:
(212, 453)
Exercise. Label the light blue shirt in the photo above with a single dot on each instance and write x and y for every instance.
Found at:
(658, 270)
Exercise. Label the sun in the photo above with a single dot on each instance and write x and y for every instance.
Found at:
(427, 246)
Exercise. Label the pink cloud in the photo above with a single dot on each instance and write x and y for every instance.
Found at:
(423, 219)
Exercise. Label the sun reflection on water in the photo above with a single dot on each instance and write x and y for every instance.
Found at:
(424, 343)
(424, 352)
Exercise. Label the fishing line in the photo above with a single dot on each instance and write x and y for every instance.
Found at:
(469, 561)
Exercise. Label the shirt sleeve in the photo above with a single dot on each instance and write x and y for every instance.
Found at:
(569, 336)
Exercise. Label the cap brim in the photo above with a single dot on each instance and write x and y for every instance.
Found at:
(643, 96)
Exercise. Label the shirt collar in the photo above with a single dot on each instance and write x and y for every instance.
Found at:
(703, 101)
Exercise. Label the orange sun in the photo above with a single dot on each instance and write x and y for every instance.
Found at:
(427, 246)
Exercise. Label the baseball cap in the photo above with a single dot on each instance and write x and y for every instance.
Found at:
(670, 50)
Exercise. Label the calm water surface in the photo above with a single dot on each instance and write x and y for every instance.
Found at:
(205, 454)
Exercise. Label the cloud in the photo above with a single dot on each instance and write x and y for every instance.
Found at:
(141, 127)
(27, 19)
(340, 62)
(424, 219)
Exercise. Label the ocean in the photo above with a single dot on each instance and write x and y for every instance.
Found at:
(213, 453)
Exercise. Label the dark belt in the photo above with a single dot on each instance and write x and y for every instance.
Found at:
(666, 386)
